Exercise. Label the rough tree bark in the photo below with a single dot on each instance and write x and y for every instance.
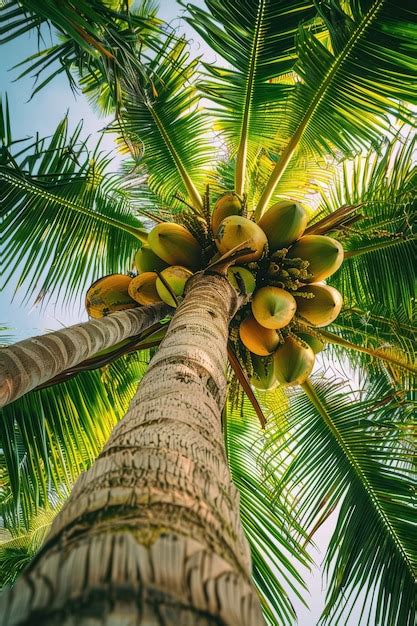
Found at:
(151, 534)
(29, 363)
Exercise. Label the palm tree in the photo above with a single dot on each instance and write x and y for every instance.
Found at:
(310, 102)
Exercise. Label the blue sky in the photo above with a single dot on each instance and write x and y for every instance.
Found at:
(42, 114)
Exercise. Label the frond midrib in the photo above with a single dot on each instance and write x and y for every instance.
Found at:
(21, 183)
(291, 147)
(361, 476)
(243, 144)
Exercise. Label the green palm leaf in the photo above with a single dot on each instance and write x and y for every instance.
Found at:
(49, 436)
(164, 121)
(273, 549)
(346, 92)
(257, 40)
(18, 544)
(346, 450)
(381, 246)
(52, 194)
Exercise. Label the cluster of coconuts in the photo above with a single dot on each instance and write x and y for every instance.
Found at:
(280, 270)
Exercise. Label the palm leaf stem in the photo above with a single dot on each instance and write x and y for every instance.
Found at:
(33, 190)
(242, 153)
(379, 318)
(292, 146)
(378, 246)
(333, 221)
(313, 397)
(339, 341)
(280, 168)
(195, 197)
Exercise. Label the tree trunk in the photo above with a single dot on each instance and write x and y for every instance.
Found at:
(151, 534)
(29, 363)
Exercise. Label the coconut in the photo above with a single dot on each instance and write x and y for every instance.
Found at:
(241, 279)
(258, 339)
(176, 277)
(109, 295)
(228, 204)
(324, 255)
(273, 307)
(235, 230)
(323, 308)
(147, 261)
(175, 245)
(143, 288)
(283, 224)
(315, 344)
(293, 363)
(263, 377)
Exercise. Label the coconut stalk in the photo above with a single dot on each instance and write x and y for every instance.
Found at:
(32, 362)
(151, 532)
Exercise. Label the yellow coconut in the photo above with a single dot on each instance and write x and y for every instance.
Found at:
(176, 277)
(283, 224)
(293, 363)
(175, 245)
(273, 307)
(109, 295)
(147, 261)
(263, 377)
(258, 339)
(241, 279)
(235, 230)
(324, 254)
(315, 344)
(323, 308)
(143, 288)
(228, 204)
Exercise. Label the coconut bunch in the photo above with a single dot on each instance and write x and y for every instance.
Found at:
(278, 269)
(162, 268)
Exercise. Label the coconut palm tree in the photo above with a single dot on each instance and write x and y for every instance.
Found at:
(309, 102)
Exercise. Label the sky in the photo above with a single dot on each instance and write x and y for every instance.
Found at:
(42, 114)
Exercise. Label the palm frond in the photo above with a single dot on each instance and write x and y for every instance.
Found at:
(381, 246)
(49, 436)
(164, 120)
(257, 40)
(64, 222)
(19, 544)
(354, 450)
(346, 91)
(273, 549)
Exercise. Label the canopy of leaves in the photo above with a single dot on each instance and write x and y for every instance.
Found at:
(301, 96)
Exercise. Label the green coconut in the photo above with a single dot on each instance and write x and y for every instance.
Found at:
(324, 255)
(283, 224)
(235, 230)
(228, 204)
(147, 261)
(273, 307)
(323, 308)
(175, 245)
(176, 277)
(263, 377)
(241, 279)
(293, 363)
(315, 344)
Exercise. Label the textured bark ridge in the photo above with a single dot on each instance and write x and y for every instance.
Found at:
(29, 363)
(151, 534)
